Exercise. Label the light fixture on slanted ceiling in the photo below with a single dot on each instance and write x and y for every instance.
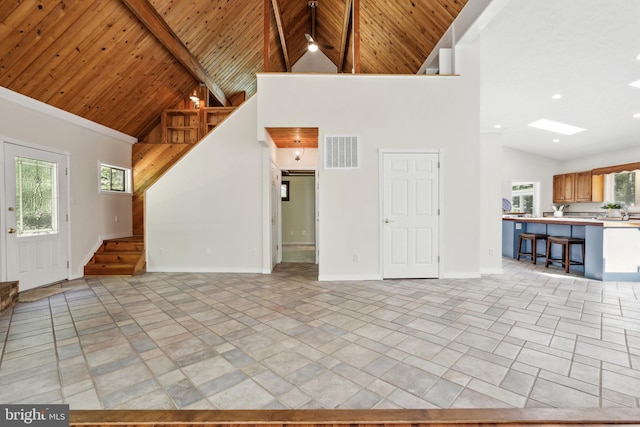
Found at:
(194, 98)
(312, 43)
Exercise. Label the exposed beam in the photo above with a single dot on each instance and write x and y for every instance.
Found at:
(356, 36)
(345, 35)
(266, 34)
(150, 17)
(283, 42)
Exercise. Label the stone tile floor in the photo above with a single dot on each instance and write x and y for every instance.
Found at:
(531, 337)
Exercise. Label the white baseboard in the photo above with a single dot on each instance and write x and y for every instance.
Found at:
(484, 271)
(461, 275)
(347, 277)
(169, 269)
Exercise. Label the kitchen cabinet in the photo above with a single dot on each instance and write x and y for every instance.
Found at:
(583, 186)
(577, 187)
(564, 188)
(597, 188)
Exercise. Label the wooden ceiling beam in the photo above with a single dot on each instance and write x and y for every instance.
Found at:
(356, 36)
(266, 11)
(283, 42)
(150, 17)
(345, 35)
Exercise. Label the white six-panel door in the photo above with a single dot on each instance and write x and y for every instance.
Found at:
(410, 215)
(35, 215)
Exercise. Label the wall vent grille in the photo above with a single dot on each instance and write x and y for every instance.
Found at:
(341, 152)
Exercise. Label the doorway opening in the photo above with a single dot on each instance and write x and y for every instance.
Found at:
(298, 198)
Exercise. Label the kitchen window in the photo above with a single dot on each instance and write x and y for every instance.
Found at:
(621, 187)
(525, 197)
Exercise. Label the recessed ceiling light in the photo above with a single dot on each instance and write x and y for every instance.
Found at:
(556, 96)
(556, 140)
(636, 116)
(638, 57)
(635, 84)
(557, 127)
(497, 126)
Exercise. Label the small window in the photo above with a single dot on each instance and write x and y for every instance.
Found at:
(284, 191)
(115, 179)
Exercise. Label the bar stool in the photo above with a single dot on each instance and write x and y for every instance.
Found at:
(533, 237)
(566, 242)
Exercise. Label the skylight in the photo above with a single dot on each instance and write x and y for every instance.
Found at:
(556, 127)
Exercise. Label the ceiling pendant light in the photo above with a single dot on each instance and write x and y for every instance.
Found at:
(195, 99)
(312, 44)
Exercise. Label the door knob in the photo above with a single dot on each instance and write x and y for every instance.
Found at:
(387, 221)
(12, 231)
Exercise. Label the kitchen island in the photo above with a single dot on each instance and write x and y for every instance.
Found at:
(612, 247)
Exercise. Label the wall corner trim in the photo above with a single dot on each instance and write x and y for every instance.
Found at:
(16, 98)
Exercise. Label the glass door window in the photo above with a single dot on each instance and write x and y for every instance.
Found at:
(36, 197)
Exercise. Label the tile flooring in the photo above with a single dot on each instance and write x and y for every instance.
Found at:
(531, 337)
(298, 253)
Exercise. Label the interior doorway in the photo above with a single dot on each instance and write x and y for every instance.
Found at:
(299, 212)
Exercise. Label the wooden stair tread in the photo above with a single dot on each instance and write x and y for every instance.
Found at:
(118, 257)
(111, 265)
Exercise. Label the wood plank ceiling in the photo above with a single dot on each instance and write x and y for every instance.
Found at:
(120, 63)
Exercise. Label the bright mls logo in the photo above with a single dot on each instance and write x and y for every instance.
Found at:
(34, 415)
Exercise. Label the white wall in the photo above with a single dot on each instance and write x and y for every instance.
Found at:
(609, 158)
(314, 62)
(206, 213)
(491, 196)
(92, 215)
(522, 166)
(401, 112)
(299, 212)
(285, 158)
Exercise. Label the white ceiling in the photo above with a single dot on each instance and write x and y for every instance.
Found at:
(585, 50)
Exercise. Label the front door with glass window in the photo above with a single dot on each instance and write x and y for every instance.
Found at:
(36, 216)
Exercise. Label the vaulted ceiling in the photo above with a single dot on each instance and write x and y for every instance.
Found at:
(120, 63)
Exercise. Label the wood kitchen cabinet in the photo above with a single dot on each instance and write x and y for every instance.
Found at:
(577, 187)
(582, 186)
(564, 188)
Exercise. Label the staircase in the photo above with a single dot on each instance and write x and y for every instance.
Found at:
(118, 257)
(179, 132)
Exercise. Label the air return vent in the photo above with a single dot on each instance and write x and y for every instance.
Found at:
(341, 152)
